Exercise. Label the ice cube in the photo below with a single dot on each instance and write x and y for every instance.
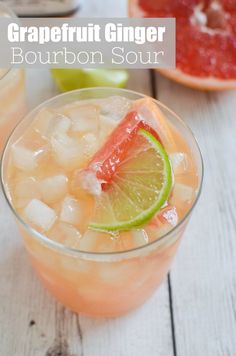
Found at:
(106, 126)
(25, 190)
(107, 123)
(53, 188)
(90, 144)
(60, 124)
(89, 240)
(72, 235)
(47, 123)
(84, 118)
(65, 234)
(41, 120)
(68, 151)
(39, 214)
(169, 214)
(71, 211)
(181, 193)
(24, 158)
(128, 240)
(115, 106)
(33, 141)
(87, 182)
(139, 237)
(179, 162)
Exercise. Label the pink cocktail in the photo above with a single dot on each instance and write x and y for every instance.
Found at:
(102, 273)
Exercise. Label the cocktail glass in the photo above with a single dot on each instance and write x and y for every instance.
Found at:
(105, 284)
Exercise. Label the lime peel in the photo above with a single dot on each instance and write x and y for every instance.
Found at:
(143, 215)
(75, 78)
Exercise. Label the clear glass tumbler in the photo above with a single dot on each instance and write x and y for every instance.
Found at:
(101, 284)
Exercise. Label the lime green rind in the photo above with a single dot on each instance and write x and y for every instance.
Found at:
(146, 215)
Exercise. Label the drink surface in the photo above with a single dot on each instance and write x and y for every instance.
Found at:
(45, 162)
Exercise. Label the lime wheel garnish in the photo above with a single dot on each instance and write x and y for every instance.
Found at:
(138, 188)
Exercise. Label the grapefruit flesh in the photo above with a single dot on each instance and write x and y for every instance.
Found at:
(114, 151)
(143, 115)
(205, 39)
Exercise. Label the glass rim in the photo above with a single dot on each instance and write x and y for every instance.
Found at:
(72, 251)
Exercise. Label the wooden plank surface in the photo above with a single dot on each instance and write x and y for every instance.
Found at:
(203, 277)
(202, 280)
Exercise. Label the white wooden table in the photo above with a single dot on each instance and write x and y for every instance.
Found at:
(194, 312)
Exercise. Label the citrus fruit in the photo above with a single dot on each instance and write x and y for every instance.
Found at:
(139, 186)
(205, 40)
(150, 111)
(118, 143)
(145, 114)
(70, 79)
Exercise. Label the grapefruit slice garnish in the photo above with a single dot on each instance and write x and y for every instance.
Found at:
(209, 28)
(111, 154)
(144, 114)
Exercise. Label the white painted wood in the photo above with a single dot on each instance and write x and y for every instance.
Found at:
(203, 276)
(104, 8)
(144, 332)
(40, 87)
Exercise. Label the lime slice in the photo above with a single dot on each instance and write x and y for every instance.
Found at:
(70, 79)
(140, 186)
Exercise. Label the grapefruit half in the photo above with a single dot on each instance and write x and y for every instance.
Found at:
(205, 40)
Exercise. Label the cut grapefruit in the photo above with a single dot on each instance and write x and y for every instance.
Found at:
(205, 40)
(144, 114)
